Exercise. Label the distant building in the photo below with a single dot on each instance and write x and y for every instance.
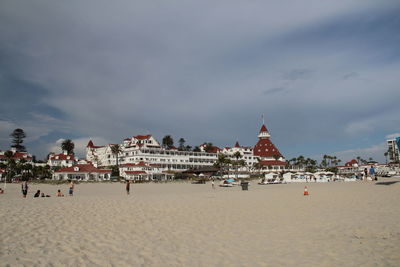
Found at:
(145, 149)
(393, 150)
(17, 156)
(61, 160)
(143, 172)
(350, 167)
(84, 172)
(245, 152)
(267, 152)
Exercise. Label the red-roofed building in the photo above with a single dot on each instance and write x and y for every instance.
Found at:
(352, 163)
(84, 172)
(246, 154)
(212, 149)
(142, 171)
(17, 156)
(61, 160)
(145, 148)
(267, 152)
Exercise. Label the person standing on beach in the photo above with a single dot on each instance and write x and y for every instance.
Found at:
(128, 186)
(24, 188)
(365, 174)
(212, 184)
(372, 173)
(71, 188)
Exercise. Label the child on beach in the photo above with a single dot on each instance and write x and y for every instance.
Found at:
(1, 191)
(212, 184)
(365, 174)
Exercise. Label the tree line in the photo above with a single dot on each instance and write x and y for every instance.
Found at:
(22, 168)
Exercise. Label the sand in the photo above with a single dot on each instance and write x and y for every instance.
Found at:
(182, 224)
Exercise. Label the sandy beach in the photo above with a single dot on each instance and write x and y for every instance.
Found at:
(183, 224)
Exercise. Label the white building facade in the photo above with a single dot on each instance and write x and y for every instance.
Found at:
(393, 150)
(61, 160)
(145, 148)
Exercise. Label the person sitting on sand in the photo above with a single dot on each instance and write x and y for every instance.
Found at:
(1, 191)
(59, 194)
(37, 194)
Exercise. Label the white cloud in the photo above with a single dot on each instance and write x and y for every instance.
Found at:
(200, 70)
(80, 145)
(392, 136)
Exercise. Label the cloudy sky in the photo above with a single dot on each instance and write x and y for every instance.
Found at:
(325, 74)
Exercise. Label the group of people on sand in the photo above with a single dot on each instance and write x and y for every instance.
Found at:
(25, 188)
(371, 173)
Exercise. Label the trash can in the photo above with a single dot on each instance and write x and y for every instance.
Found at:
(245, 185)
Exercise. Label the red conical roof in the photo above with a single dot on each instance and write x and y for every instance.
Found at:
(237, 144)
(265, 148)
(90, 144)
(263, 128)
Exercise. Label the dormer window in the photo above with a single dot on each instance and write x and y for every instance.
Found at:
(57, 157)
(76, 169)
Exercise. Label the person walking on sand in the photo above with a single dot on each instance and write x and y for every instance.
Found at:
(212, 184)
(71, 188)
(24, 188)
(372, 173)
(128, 186)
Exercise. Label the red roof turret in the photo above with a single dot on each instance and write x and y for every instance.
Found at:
(263, 128)
(90, 144)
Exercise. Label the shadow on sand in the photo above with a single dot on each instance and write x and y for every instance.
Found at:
(386, 183)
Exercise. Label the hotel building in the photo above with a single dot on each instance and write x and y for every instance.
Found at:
(145, 149)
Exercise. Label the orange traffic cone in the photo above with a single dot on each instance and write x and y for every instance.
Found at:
(305, 191)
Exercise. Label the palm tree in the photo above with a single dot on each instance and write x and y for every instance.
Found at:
(208, 147)
(300, 160)
(168, 142)
(18, 136)
(258, 165)
(10, 163)
(115, 149)
(68, 145)
(182, 144)
(221, 163)
(237, 155)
